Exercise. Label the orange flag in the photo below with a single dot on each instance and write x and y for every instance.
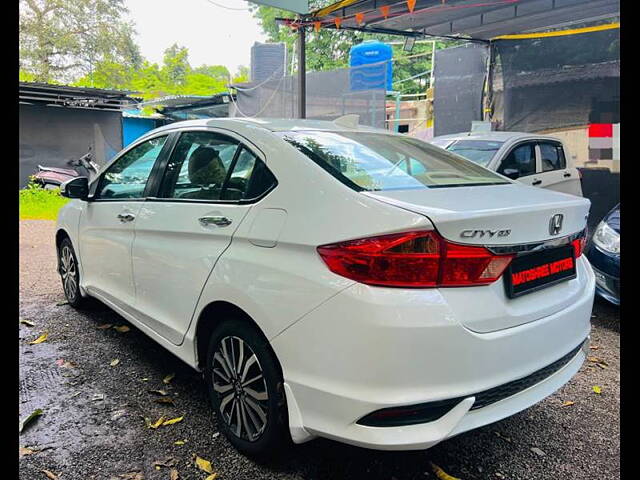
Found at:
(360, 17)
(385, 11)
(337, 21)
(411, 4)
(316, 26)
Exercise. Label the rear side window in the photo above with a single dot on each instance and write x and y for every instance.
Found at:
(210, 166)
(522, 158)
(552, 156)
(250, 178)
(198, 166)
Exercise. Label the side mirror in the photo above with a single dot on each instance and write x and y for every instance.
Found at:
(512, 173)
(75, 188)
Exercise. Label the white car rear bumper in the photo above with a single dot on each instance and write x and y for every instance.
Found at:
(370, 348)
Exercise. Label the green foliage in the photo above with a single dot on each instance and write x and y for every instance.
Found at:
(176, 65)
(36, 203)
(174, 77)
(63, 39)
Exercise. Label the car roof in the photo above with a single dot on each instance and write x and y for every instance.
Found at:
(494, 136)
(272, 124)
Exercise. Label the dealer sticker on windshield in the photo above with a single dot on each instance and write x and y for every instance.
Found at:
(537, 270)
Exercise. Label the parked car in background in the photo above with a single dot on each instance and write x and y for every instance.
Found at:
(603, 251)
(332, 280)
(538, 160)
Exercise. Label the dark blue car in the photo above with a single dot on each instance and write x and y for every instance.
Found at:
(603, 252)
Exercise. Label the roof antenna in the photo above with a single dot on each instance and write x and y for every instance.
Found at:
(348, 121)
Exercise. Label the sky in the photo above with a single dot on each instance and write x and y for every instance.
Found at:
(213, 35)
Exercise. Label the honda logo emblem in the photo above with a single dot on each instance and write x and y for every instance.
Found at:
(555, 225)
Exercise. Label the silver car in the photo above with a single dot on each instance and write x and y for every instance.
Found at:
(537, 160)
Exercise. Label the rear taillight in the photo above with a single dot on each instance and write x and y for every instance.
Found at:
(413, 259)
(579, 244)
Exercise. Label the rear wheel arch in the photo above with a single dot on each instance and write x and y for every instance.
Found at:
(211, 316)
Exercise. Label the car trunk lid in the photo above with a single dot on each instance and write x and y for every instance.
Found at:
(494, 214)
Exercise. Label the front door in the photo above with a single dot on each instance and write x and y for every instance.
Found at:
(107, 224)
(181, 233)
(520, 164)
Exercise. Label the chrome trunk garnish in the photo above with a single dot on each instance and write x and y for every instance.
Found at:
(534, 247)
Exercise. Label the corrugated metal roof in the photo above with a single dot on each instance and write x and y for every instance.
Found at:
(74, 97)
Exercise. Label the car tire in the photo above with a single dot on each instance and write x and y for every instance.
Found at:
(246, 389)
(70, 275)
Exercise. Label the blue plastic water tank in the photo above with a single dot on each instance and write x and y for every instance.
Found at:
(375, 76)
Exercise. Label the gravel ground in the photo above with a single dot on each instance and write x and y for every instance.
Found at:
(93, 425)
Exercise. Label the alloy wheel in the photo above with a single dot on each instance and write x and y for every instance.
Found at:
(239, 382)
(68, 273)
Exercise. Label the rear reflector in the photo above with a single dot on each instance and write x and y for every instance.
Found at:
(409, 415)
(579, 243)
(413, 259)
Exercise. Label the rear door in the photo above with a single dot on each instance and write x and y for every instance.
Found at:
(521, 159)
(106, 226)
(209, 183)
(554, 172)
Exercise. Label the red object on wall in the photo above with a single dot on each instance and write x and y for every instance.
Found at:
(601, 130)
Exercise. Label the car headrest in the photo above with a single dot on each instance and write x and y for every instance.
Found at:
(205, 167)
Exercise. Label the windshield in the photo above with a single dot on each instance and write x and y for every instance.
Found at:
(374, 161)
(478, 151)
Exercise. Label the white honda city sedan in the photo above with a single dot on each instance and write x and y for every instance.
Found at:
(332, 280)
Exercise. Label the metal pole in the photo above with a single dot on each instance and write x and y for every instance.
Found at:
(397, 125)
(433, 63)
(302, 74)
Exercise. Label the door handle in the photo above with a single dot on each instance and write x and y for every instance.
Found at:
(536, 182)
(217, 220)
(126, 217)
(566, 175)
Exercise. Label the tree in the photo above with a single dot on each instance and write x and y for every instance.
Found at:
(176, 65)
(61, 40)
(242, 75)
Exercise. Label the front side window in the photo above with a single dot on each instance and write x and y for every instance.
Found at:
(552, 157)
(374, 161)
(478, 151)
(210, 166)
(520, 162)
(127, 177)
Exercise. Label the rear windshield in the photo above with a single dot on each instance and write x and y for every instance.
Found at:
(377, 162)
(478, 151)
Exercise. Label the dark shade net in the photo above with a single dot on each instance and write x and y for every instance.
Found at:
(330, 94)
(555, 82)
(459, 80)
